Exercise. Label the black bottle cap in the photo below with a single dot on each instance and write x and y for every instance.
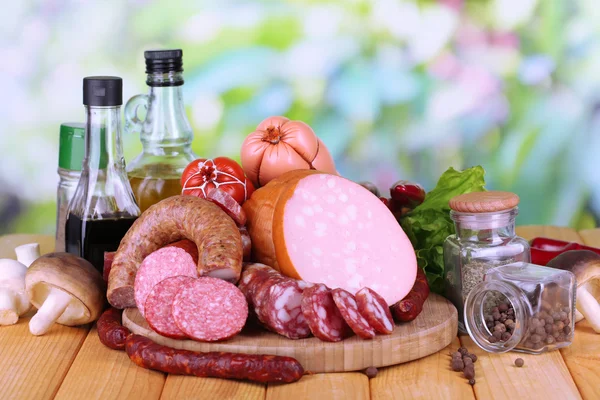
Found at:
(162, 61)
(102, 91)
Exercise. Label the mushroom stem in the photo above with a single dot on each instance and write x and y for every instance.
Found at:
(9, 314)
(27, 253)
(55, 304)
(578, 316)
(589, 307)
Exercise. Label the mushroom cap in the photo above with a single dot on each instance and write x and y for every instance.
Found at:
(12, 276)
(584, 264)
(73, 275)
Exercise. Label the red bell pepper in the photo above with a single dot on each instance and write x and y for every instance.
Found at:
(545, 249)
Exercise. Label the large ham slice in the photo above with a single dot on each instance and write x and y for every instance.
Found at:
(323, 228)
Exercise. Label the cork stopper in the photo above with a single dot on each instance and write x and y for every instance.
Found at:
(483, 202)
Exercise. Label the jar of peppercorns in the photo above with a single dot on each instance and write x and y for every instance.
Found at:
(485, 238)
(522, 307)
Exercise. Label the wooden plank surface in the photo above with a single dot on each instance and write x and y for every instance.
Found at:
(191, 387)
(101, 373)
(428, 378)
(342, 386)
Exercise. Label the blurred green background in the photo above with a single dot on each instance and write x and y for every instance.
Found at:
(396, 89)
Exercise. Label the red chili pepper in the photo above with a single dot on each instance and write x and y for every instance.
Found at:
(407, 194)
(545, 249)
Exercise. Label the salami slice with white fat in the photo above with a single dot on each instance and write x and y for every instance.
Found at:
(375, 310)
(275, 299)
(322, 315)
(228, 204)
(159, 305)
(209, 309)
(159, 265)
(346, 303)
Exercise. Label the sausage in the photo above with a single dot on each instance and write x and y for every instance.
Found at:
(228, 204)
(346, 303)
(189, 246)
(254, 367)
(375, 310)
(246, 244)
(322, 315)
(172, 219)
(108, 260)
(110, 331)
(411, 306)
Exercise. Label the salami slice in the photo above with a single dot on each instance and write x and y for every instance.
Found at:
(161, 264)
(209, 309)
(346, 303)
(189, 246)
(228, 204)
(276, 300)
(159, 304)
(375, 310)
(246, 244)
(322, 315)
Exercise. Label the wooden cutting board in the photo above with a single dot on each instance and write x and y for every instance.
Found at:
(433, 330)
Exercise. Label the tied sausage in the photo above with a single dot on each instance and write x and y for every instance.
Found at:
(258, 368)
(110, 331)
(322, 315)
(411, 306)
(375, 310)
(275, 300)
(228, 204)
(172, 219)
(346, 303)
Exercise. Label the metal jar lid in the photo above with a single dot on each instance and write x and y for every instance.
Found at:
(71, 150)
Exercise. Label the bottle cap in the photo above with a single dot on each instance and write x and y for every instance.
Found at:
(161, 61)
(483, 202)
(102, 91)
(71, 149)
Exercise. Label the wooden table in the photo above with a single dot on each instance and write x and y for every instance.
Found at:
(71, 363)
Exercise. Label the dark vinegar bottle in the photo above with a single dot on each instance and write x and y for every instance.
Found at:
(103, 207)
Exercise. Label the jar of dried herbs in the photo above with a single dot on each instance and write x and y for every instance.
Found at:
(485, 238)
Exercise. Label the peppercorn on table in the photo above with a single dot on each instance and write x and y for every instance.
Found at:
(71, 363)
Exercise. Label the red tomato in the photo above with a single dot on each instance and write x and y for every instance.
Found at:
(203, 175)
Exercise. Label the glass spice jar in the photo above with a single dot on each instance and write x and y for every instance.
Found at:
(522, 307)
(485, 238)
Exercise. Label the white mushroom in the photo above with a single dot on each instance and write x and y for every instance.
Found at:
(27, 253)
(14, 300)
(66, 289)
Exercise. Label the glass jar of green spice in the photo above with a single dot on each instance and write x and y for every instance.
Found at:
(485, 238)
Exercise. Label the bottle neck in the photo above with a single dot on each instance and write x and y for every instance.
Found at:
(485, 227)
(166, 128)
(103, 148)
(478, 304)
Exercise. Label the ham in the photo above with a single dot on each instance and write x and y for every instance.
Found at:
(323, 228)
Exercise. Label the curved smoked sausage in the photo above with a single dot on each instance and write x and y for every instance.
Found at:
(175, 218)
(110, 331)
(411, 306)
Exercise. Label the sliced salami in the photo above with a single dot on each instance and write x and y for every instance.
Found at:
(322, 315)
(228, 204)
(209, 309)
(161, 264)
(375, 310)
(346, 303)
(246, 244)
(275, 299)
(159, 304)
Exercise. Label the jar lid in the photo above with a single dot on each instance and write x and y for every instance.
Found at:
(484, 202)
(71, 150)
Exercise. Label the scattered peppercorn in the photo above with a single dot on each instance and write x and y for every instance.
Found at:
(472, 381)
(371, 372)
(469, 372)
(457, 364)
(519, 362)
(463, 351)
(473, 357)
(456, 354)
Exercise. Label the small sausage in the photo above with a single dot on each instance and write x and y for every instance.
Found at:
(110, 331)
(411, 306)
(172, 219)
(108, 260)
(253, 367)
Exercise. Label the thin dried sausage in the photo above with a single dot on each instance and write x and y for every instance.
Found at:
(110, 331)
(170, 220)
(254, 367)
(411, 306)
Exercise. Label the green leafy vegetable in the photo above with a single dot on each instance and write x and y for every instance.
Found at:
(429, 224)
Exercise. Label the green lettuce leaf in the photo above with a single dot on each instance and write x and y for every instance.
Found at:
(429, 224)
